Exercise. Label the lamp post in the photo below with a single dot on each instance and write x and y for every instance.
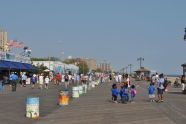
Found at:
(184, 67)
(185, 35)
(130, 66)
(126, 69)
(49, 62)
(61, 57)
(140, 59)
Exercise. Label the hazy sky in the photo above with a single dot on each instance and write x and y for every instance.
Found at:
(118, 31)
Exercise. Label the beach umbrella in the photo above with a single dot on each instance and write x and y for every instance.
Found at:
(46, 70)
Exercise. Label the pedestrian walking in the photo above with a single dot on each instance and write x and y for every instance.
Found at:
(46, 82)
(66, 81)
(41, 81)
(151, 92)
(153, 79)
(183, 83)
(160, 87)
(110, 77)
(13, 79)
(24, 78)
(128, 80)
(58, 78)
(133, 93)
(119, 78)
(115, 93)
(34, 80)
(77, 79)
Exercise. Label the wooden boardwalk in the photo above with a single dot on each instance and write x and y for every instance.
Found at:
(95, 107)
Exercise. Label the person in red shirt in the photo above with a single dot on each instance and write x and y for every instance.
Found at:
(58, 78)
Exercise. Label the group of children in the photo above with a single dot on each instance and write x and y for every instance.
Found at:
(126, 93)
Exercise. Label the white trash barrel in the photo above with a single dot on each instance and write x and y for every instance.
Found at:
(75, 92)
(32, 107)
(80, 90)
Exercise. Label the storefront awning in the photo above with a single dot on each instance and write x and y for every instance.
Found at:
(15, 66)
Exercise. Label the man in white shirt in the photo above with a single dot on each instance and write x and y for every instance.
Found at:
(119, 78)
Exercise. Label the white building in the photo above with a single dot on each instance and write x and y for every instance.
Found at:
(58, 66)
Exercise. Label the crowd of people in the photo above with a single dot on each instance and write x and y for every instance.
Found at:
(126, 90)
(122, 87)
(42, 80)
(159, 83)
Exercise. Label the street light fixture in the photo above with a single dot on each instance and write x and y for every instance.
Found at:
(140, 59)
(126, 69)
(130, 66)
(185, 35)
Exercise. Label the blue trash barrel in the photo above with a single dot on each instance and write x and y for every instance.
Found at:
(32, 107)
(1, 86)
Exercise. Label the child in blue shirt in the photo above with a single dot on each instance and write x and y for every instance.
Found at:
(124, 94)
(151, 90)
(115, 93)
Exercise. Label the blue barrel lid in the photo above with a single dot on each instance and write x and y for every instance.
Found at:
(32, 100)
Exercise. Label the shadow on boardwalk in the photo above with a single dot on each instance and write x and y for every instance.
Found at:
(96, 107)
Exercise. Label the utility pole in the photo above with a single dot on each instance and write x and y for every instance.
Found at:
(126, 69)
(83, 68)
(185, 35)
(130, 66)
(49, 63)
(140, 59)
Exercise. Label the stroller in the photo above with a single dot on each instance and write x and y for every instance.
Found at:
(177, 84)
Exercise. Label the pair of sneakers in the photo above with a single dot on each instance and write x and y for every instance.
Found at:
(115, 102)
(159, 101)
(152, 100)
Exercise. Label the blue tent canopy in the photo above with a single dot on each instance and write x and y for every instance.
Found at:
(3, 65)
(10, 65)
(16, 65)
(19, 65)
(29, 66)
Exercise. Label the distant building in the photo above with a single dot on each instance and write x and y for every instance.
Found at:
(105, 67)
(143, 71)
(58, 66)
(3, 39)
(91, 63)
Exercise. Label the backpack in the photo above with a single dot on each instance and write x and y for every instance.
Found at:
(165, 84)
(135, 92)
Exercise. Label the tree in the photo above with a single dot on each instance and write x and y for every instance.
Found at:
(46, 59)
(83, 67)
(40, 68)
(97, 70)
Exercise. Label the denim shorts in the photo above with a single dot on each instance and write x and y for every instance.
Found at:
(160, 91)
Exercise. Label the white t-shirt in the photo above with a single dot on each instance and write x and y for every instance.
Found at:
(70, 77)
(47, 80)
(41, 79)
(160, 83)
(153, 78)
(117, 78)
(120, 77)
